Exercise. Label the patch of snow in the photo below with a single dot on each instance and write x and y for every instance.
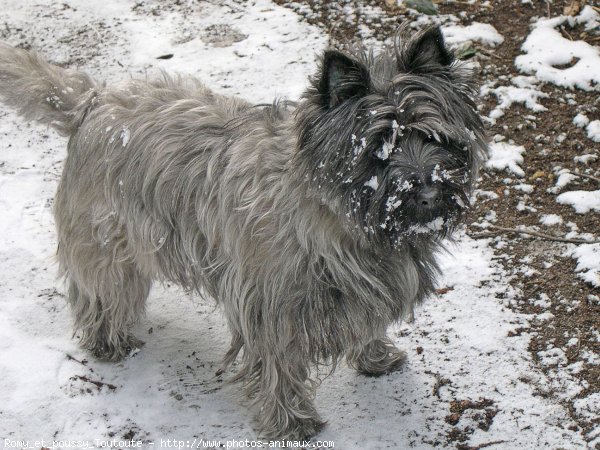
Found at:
(593, 130)
(571, 343)
(564, 178)
(581, 120)
(479, 32)
(553, 357)
(588, 262)
(545, 48)
(581, 201)
(125, 136)
(372, 183)
(480, 193)
(589, 17)
(551, 219)
(523, 91)
(527, 188)
(584, 159)
(385, 151)
(521, 206)
(543, 301)
(491, 216)
(589, 406)
(504, 156)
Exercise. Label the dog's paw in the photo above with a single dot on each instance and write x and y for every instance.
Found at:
(133, 345)
(378, 357)
(124, 348)
(299, 429)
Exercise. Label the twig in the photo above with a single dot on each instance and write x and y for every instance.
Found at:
(564, 30)
(98, 384)
(83, 363)
(478, 447)
(582, 175)
(488, 53)
(439, 383)
(547, 237)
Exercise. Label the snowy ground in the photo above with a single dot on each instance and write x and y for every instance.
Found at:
(464, 372)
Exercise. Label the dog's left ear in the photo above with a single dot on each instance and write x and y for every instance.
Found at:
(424, 50)
(342, 78)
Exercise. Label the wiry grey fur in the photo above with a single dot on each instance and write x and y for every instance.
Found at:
(272, 210)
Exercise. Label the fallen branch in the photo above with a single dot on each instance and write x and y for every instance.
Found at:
(98, 384)
(478, 447)
(589, 177)
(488, 53)
(544, 236)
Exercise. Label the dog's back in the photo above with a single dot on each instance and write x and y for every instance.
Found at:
(138, 197)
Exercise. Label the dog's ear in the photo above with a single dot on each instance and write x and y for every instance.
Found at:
(341, 78)
(425, 51)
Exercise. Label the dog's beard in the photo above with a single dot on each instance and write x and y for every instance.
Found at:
(391, 214)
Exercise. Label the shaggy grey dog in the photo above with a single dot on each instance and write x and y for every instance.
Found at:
(315, 225)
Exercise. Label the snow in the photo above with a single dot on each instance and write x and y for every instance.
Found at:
(589, 406)
(588, 262)
(581, 201)
(564, 178)
(523, 91)
(385, 151)
(585, 159)
(527, 188)
(551, 219)
(125, 136)
(581, 120)
(372, 183)
(593, 130)
(480, 32)
(545, 48)
(168, 390)
(505, 156)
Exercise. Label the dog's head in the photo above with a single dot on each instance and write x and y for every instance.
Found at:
(393, 142)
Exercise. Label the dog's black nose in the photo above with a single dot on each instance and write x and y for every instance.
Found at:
(428, 197)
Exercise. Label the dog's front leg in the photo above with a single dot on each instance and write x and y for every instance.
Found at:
(284, 395)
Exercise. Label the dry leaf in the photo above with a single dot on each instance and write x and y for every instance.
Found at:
(573, 8)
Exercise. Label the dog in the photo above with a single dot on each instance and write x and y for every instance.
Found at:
(315, 224)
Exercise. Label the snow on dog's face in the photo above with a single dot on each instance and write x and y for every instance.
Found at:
(393, 142)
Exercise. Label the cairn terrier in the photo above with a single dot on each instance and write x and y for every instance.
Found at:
(315, 225)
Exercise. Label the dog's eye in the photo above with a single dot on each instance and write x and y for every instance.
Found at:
(434, 138)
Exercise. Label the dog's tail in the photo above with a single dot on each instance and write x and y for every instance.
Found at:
(44, 92)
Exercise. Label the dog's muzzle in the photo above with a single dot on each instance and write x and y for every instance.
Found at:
(428, 197)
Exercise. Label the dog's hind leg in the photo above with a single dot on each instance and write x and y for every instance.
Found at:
(104, 306)
(106, 292)
(104, 314)
(378, 357)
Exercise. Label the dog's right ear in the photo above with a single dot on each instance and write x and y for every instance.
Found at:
(425, 50)
(341, 78)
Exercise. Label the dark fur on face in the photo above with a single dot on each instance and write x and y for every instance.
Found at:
(393, 141)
